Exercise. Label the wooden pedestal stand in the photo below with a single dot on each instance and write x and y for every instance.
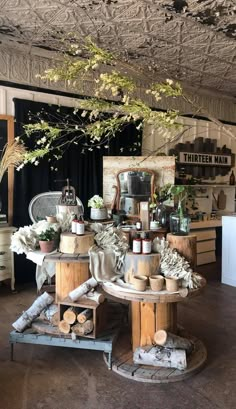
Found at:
(140, 264)
(73, 244)
(151, 312)
(186, 247)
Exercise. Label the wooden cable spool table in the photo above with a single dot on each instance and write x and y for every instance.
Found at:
(150, 312)
(71, 271)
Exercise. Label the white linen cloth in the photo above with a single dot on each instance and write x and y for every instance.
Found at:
(45, 270)
(103, 264)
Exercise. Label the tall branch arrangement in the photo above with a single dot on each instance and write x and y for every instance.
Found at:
(96, 120)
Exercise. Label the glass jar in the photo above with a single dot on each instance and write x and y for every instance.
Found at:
(179, 222)
(160, 215)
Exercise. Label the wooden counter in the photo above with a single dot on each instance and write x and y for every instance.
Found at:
(206, 224)
(205, 232)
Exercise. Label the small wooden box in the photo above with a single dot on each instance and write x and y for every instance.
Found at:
(145, 215)
(99, 314)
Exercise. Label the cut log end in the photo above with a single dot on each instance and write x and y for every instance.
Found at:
(168, 340)
(83, 329)
(160, 337)
(64, 327)
(70, 316)
(84, 315)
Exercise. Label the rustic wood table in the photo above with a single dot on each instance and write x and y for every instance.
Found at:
(150, 312)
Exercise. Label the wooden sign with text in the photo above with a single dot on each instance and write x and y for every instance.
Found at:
(202, 158)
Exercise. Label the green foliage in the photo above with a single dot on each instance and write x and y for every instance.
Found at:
(106, 128)
(96, 129)
(181, 192)
(116, 83)
(47, 235)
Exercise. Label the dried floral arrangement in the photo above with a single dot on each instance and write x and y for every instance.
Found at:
(173, 264)
(13, 154)
(27, 238)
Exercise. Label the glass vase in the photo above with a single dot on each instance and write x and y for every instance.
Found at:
(160, 215)
(179, 222)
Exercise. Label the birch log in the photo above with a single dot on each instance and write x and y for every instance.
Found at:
(169, 340)
(84, 315)
(83, 289)
(51, 314)
(70, 315)
(169, 358)
(64, 327)
(34, 311)
(83, 329)
(94, 296)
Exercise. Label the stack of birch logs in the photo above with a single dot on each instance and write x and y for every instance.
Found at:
(51, 314)
(27, 317)
(75, 319)
(170, 351)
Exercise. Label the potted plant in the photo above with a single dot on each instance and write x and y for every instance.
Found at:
(47, 241)
(98, 210)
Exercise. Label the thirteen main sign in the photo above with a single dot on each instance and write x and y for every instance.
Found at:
(208, 159)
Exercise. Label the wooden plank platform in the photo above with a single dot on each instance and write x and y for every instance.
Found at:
(122, 363)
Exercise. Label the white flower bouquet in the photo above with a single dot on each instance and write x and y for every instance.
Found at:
(96, 202)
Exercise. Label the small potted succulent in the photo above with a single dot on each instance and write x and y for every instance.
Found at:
(47, 240)
(98, 211)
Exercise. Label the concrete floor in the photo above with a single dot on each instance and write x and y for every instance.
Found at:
(43, 377)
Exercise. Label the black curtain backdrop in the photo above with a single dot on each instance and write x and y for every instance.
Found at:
(85, 170)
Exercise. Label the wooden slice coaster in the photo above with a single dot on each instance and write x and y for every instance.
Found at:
(122, 363)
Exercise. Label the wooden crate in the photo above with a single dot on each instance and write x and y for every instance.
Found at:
(205, 258)
(99, 314)
(204, 246)
(205, 234)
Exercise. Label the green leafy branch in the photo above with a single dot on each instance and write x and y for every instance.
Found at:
(96, 129)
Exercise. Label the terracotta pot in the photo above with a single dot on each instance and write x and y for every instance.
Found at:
(140, 283)
(156, 282)
(47, 246)
(172, 284)
(51, 219)
(98, 214)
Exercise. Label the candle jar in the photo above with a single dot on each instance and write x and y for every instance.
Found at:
(146, 246)
(80, 228)
(137, 245)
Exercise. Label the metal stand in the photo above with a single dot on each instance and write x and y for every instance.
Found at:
(104, 343)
